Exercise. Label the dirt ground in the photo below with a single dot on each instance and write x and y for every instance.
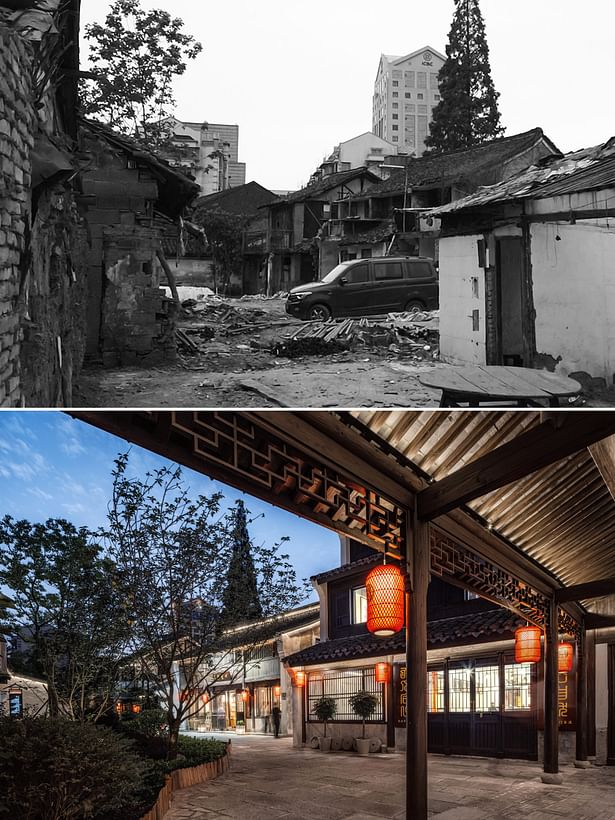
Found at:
(227, 362)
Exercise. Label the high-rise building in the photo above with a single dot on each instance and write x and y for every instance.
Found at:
(210, 151)
(405, 93)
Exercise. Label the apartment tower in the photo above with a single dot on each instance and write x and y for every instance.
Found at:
(405, 94)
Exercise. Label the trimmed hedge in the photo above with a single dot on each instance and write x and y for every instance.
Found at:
(52, 768)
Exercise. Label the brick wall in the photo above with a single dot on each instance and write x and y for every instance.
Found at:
(16, 139)
(129, 320)
(42, 254)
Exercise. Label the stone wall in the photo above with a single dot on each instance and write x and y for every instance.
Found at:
(17, 123)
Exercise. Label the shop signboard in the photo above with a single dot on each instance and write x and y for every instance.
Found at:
(400, 694)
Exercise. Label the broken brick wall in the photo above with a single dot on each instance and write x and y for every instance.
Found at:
(129, 319)
(42, 248)
(17, 122)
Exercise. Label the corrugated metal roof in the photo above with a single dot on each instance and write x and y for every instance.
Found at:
(587, 170)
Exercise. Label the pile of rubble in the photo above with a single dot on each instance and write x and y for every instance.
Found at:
(411, 335)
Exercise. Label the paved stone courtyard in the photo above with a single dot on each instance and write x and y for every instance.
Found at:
(270, 779)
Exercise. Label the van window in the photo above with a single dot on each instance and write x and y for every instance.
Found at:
(358, 273)
(420, 270)
(388, 270)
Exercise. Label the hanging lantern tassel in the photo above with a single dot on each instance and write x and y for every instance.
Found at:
(383, 673)
(384, 587)
(564, 657)
(527, 644)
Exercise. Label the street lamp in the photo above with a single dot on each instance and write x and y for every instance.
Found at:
(405, 168)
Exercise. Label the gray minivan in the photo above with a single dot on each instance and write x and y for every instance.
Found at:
(368, 286)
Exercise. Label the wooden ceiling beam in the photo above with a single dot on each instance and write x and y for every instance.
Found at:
(583, 592)
(552, 440)
(595, 621)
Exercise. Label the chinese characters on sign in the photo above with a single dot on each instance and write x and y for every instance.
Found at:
(400, 694)
(566, 701)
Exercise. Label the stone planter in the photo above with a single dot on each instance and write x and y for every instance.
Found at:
(324, 744)
(363, 744)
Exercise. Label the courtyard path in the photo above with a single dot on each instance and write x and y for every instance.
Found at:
(270, 779)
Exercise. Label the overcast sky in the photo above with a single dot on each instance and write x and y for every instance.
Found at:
(52, 466)
(297, 77)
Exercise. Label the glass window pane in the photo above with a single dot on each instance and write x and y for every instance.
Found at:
(459, 690)
(487, 680)
(388, 270)
(517, 687)
(359, 606)
(435, 690)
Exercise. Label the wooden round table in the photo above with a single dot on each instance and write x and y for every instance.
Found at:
(476, 384)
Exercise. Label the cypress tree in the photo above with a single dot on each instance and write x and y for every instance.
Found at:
(240, 601)
(467, 113)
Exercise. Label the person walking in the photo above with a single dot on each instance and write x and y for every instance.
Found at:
(276, 714)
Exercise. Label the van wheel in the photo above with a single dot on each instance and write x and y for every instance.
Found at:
(319, 313)
(413, 304)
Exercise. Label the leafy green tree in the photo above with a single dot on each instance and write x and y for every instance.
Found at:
(172, 553)
(467, 113)
(66, 608)
(224, 233)
(240, 601)
(134, 58)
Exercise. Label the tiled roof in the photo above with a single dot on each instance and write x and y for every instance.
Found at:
(496, 624)
(176, 189)
(321, 186)
(269, 628)
(348, 569)
(586, 170)
(383, 231)
(455, 166)
(244, 199)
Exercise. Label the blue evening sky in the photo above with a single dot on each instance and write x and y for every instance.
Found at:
(52, 466)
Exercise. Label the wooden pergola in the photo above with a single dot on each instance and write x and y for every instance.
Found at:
(515, 506)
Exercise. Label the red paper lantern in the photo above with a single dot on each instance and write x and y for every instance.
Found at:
(383, 673)
(276, 691)
(564, 657)
(527, 644)
(245, 695)
(384, 587)
(299, 678)
(136, 708)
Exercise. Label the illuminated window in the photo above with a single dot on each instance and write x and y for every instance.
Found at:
(435, 690)
(518, 687)
(359, 596)
(459, 689)
(487, 681)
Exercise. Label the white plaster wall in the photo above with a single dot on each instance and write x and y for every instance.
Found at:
(358, 149)
(459, 344)
(574, 296)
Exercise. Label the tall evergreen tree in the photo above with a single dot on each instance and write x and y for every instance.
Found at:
(240, 599)
(467, 113)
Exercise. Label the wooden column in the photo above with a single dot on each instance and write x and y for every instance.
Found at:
(418, 564)
(590, 658)
(551, 739)
(581, 731)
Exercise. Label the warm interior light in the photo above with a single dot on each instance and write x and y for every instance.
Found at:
(276, 691)
(383, 673)
(136, 708)
(527, 644)
(384, 588)
(564, 657)
(245, 695)
(299, 678)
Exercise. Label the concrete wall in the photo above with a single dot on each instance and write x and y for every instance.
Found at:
(574, 296)
(602, 701)
(462, 291)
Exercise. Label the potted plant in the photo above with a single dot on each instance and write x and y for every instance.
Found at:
(325, 709)
(363, 704)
